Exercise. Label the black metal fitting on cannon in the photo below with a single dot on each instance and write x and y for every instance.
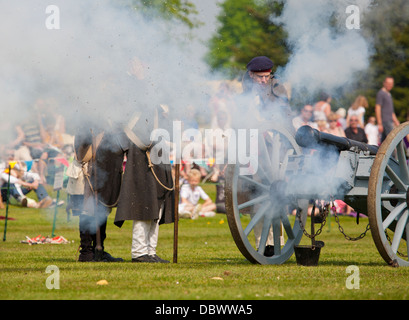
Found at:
(308, 137)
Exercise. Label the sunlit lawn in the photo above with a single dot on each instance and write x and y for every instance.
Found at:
(209, 265)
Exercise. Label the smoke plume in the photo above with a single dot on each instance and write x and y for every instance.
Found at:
(104, 60)
(325, 53)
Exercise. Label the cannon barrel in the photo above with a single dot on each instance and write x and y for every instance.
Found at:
(308, 137)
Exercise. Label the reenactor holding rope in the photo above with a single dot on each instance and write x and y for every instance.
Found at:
(147, 194)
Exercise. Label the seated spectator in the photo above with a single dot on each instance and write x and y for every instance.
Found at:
(305, 118)
(334, 127)
(21, 183)
(372, 132)
(190, 194)
(354, 132)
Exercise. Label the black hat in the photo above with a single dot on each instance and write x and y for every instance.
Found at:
(260, 64)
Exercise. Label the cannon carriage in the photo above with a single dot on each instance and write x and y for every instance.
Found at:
(267, 210)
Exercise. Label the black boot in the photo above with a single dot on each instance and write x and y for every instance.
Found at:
(106, 257)
(103, 256)
(269, 251)
(86, 251)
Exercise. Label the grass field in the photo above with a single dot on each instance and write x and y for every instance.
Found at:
(210, 267)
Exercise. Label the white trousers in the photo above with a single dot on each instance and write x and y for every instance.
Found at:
(145, 236)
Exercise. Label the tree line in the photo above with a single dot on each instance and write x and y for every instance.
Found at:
(246, 29)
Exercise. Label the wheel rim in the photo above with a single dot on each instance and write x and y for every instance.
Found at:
(251, 209)
(388, 198)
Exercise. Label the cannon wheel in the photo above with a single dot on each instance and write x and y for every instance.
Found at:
(388, 198)
(250, 204)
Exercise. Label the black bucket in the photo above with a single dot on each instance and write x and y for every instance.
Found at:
(308, 255)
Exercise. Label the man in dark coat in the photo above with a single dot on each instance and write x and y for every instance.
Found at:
(147, 196)
(263, 91)
(100, 149)
(264, 99)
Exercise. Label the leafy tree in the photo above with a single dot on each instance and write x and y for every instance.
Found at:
(246, 31)
(182, 10)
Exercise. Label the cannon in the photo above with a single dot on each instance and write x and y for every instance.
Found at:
(267, 209)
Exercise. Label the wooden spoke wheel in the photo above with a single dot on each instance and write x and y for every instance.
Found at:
(258, 212)
(388, 198)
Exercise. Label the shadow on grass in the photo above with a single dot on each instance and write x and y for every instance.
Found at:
(293, 262)
(236, 261)
(349, 263)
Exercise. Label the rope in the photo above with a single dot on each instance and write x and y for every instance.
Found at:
(150, 165)
(86, 175)
(135, 139)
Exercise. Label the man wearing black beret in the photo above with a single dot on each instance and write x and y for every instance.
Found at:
(271, 97)
(265, 99)
(260, 64)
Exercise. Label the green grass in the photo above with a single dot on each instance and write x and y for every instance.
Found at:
(206, 250)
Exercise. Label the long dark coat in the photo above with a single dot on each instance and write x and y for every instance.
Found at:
(109, 162)
(141, 194)
(105, 174)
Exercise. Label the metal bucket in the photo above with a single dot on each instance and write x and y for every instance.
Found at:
(308, 255)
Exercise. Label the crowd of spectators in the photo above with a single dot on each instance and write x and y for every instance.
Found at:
(40, 139)
(351, 123)
(342, 123)
(30, 150)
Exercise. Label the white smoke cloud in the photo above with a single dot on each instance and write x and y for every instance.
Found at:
(87, 64)
(326, 56)
(325, 53)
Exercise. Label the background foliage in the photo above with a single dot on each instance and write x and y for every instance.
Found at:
(246, 30)
(182, 10)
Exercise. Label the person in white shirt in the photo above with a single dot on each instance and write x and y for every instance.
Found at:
(190, 194)
(372, 132)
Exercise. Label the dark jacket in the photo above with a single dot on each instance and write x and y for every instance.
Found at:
(104, 175)
(359, 136)
(273, 100)
(141, 194)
